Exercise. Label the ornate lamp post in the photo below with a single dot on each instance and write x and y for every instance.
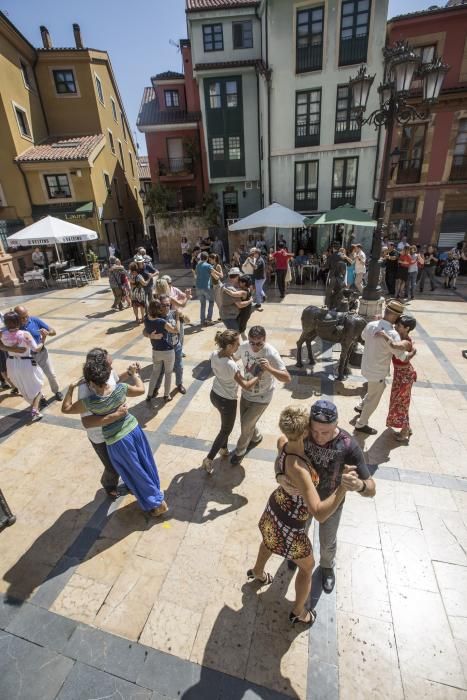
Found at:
(401, 66)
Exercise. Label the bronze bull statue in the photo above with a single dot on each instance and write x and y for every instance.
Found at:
(335, 327)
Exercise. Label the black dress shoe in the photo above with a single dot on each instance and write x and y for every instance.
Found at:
(254, 443)
(366, 429)
(43, 402)
(328, 580)
(59, 396)
(236, 459)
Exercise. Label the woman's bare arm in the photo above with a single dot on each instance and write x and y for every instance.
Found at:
(321, 510)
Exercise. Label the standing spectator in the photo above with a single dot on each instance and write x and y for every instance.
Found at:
(186, 252)
(281, 258)
(137, 287)
(402, 276)
(415, 261)
(245, 284)
(112, 251)
(376, 362)
(117, 278)
(227, 379)
(204, 289)
(451, 269)
(195, 256)
(429, 268)
(403, 243)
(360, 266)
(38, 259)
(403, 379)
(261, 244)
(217, 247)
(162, 328)
(350, 263)
(40, 331)
(259, 276)
(262, 360)
(232, 299)
(391, 268)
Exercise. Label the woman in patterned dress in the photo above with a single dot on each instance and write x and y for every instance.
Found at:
(403, 379)
(127, 445)
(282, 524)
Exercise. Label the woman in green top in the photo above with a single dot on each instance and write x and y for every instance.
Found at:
(127, 445)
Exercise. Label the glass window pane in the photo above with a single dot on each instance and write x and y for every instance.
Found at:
(362, 18)
(312, 175)
(338, 173)
(300, 176)
(351, 172)
(348, 8)
(346, 33)
(347, 21)
(318, 13)
(363, 5)
(231, 86)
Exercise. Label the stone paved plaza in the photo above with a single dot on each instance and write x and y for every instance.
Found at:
(117, 606)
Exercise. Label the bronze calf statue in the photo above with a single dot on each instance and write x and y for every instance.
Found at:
(335, 327)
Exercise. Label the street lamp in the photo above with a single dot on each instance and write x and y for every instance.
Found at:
(401, 66)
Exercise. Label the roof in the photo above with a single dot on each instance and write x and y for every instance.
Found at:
(16, 30)
(150, 114)
(227, 64)
(168, 75)
(202, 5)
(72, 148)
(143, 168)
(433, 10)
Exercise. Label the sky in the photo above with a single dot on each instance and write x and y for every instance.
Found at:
(137, 37)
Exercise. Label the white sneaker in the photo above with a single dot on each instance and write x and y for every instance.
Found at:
(207, 465)
(224, 452)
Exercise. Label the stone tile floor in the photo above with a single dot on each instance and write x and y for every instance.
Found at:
(117, 606)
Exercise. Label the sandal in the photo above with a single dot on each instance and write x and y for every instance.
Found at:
(268, 578)
(112, 494)
(309, 619)
(161, 510)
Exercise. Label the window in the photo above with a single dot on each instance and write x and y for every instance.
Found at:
(117, 193)
(408, 205)
(307, 118)
(217, 145)
(355, 21)
(23, 122)
(100, 92)
(58, 186)
(426, 53)
(306, 185)
(347, 128)
(131, 163)
(215, 100)
(114, 109)
(65, 83)
(25, 73)
(403, 215)
(108, 185)
(234, 148)
(459, 160)
(231, 92)
(344, 181)
(242, 35)
(213, 38)
(171, 98)
(111, 141)
(122, 160)
(411, 148)
(310, 25)
(122, 122)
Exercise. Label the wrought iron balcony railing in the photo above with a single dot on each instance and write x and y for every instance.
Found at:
(343, 195)
(307, 135)
(347, 131)
(353, 50)
(309, 58)
(176, 116)
(175, 166)
(409, 171)
(459, 168)
(306, 201)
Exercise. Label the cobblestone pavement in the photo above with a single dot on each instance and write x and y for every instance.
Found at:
(117, 606)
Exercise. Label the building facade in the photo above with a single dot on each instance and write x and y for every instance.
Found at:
(427, 195)
(225, 37)
(66, 146)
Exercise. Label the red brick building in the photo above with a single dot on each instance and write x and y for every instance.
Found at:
(427, 195)
(170, 119)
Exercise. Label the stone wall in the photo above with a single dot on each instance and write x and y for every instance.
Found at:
(170, 231)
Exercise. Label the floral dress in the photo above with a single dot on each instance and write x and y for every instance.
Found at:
(282, 524)
(403, 379)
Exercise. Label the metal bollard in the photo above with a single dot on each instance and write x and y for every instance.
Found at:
(6, 516)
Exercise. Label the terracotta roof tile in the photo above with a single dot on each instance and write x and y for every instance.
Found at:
(72, 148)
(200, 5)
(143, 168)
(168, 75)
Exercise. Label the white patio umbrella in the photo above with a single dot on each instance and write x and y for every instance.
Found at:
(50, 231)
(274, 216)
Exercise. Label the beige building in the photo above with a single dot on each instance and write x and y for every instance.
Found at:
(65, 146)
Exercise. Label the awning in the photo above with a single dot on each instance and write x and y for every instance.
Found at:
(346, 214)
(68, 212)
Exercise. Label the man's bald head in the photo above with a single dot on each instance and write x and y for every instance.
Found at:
(22, 313)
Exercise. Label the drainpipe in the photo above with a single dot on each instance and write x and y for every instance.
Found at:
(268, 105)
(260, 146)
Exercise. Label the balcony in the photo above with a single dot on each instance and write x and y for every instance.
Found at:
(309, 58)
(306, 201)
(175, 169)
(175, 116)
(353, 50)
(343, 195)
(307, 135)
(347, 131)
(458, 168)
(409, 171)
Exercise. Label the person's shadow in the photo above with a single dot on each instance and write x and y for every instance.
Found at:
(380, 451)
(251, 640)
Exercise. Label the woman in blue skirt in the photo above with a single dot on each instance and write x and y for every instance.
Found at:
(127, 445)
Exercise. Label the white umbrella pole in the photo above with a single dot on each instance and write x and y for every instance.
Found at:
(58, 254)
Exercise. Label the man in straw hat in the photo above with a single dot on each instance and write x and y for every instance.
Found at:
(376, 362)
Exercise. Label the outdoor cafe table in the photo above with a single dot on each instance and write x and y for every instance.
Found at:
(77, 273)
(35, 276)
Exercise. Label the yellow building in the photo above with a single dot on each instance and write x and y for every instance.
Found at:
(65, 146)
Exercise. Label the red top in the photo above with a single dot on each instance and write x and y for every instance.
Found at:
(405, 260)
(282, 258)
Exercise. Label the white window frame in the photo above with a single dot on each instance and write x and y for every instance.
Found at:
(28, 137)
(96, 81)
(47, 173)
(112, 141)
(114, 110)
(66, 95)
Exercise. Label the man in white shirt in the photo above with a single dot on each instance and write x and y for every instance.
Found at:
(262, 360)
(360, 266)
(376, 362)
(402, 243)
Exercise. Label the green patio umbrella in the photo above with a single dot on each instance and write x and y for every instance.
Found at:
(346, 214)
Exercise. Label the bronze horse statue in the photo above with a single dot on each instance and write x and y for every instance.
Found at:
(344, 327)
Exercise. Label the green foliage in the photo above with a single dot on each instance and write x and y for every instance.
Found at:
(158, 199)
(210, 209)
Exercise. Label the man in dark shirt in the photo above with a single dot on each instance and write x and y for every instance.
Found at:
(330, 449)
(391, 259)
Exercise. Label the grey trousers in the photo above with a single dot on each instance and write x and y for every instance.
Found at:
(328, 539)
(370, 401)
(43, 360)
(163, 361)
(250, 413)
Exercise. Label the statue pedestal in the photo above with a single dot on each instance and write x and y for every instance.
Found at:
(372, 310)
